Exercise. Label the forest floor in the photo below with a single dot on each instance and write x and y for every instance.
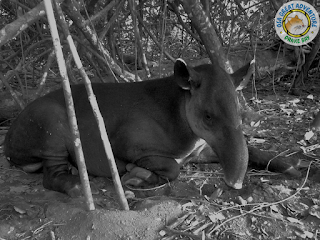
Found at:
(198, 205)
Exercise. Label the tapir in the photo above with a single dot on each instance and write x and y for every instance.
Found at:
(150, 125)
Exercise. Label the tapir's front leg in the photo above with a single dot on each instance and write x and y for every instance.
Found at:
(150, 171)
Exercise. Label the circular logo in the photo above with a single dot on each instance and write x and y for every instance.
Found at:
(297, 23)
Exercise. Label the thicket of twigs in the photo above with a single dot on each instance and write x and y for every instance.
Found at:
(121, 36)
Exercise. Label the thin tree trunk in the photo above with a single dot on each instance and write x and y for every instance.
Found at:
(206, 31)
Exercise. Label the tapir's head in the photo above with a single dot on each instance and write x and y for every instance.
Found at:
(212, 112)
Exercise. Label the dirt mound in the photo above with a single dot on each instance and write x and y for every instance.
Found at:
(105, 224)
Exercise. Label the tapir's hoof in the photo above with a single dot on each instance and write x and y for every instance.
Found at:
(136, 176)
(135, 171)
(235, 185)
(135, 182)
(94, 188)
(76, 190)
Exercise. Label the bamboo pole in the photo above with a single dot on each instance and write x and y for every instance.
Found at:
(70, 106)
(96, 111)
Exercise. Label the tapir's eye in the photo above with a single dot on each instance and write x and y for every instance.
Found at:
(208, 117)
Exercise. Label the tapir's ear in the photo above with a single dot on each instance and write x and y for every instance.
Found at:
(185, 76)
(242, 76)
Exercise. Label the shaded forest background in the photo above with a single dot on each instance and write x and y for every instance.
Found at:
(127, 40)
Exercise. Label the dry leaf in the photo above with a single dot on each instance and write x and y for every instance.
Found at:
(276, 215)
(257, 140)
(308, 135)
(215, 217)
(287, 111)
(241, 201)
(304, 234)
(315, 211)
(310, 96)
(294, 220)
(294, 101)
(255, 124)
(300, 111)
(19, 210)
(274, 208)
(310, 148)
(282, 189)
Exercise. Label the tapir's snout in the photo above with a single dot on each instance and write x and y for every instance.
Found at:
(235, 185)
(233, 157)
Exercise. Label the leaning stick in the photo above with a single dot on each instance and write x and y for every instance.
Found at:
(96, 111)
(70, 106)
